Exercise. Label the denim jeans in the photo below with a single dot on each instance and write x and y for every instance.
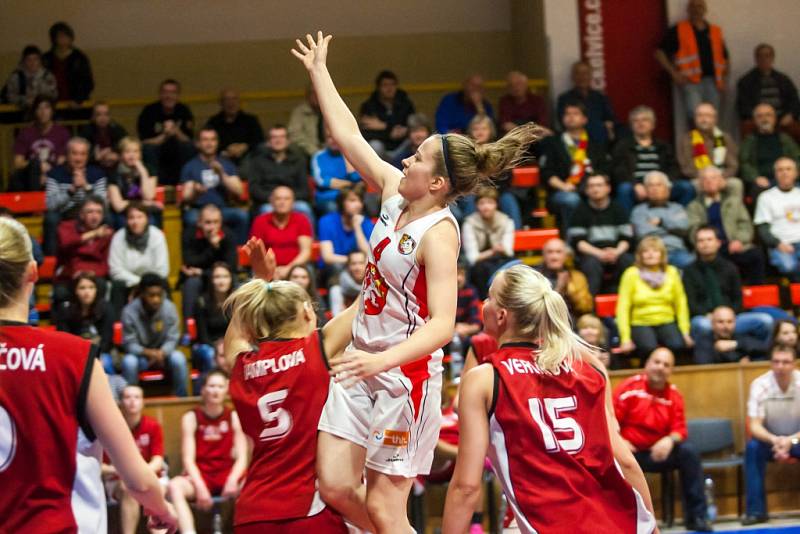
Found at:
(174, 363)
(237, 219)
(108, 363)
(785, 263)
(565, 204)
(203, 361)
(680, 258)
(756, 455)
(695, 94)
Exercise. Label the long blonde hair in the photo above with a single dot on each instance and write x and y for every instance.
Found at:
(15, 255)
(266, 309)
(470, 165)
(540, 314)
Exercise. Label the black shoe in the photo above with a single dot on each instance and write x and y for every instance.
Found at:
(700, 525)
(754, 519)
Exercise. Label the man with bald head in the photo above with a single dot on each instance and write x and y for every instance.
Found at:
(726, 344)
(238, 132)
(568, 283)
(455, 110)
(762, 148)
(652, 421)
(520, 105)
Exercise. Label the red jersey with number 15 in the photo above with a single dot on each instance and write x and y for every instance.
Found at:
(551, 449)
(279, 391)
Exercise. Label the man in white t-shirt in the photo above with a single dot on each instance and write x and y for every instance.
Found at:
(774, 411)
(777, 218)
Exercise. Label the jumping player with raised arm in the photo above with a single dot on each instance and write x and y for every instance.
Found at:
(388, 418)
(51, 388)
(542, 409)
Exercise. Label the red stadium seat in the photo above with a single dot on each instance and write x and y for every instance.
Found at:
(753, 296)
(795, 290)
(178, 194)
(160, 194)
(191, 328)
(117, 337)
(606, 306)
(525, 177)
(154, 375)
(48, 268)
(315, 252)
(532, 240)
(31, 202)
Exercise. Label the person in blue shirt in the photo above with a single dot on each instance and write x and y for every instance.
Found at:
(331, 172)
(602, 121)
(343, 231)
(210, 179)
(455, 110)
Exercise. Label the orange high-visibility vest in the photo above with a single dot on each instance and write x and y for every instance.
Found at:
(687, 59)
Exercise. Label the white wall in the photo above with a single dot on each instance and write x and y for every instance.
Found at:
(563, 42)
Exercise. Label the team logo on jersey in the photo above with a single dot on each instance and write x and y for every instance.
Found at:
(406, 245)
(375, 287)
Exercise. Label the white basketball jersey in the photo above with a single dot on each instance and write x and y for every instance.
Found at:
(394, 302)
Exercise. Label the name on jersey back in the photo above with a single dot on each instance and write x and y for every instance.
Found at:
(527, 367)
(16, 358)
(275, 365)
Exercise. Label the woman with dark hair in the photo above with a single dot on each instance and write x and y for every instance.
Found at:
(784, 334)
(303, 276)
(210, 319)
(343, 231)
(88, 315)
(38, 147)
(69, 65)
(29, 80)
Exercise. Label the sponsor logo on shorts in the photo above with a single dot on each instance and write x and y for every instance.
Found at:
(393, 438)
(394, 458)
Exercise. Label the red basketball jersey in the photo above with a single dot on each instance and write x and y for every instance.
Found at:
(483, 345)
(213, 441)
(279, 391)
(551, 449)
(44, 380)
(149, 438)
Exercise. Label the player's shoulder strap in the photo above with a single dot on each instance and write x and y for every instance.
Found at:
(322, 349)
(495, 390)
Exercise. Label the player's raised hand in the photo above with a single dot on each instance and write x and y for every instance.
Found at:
(262, 260)
(313, 53)
(352, 366)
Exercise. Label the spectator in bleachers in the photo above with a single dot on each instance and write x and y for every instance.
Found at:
(520, 105)
(38, 148)
(344, 231)
(150, 334)
(487, 238)
(764, 84)
(331, 172)
(83, 246)
(714, 281)
(302, 275)
(348, 288)
(384, 115)
(600, 119)
(69, 65)
(728, 216)
(136, 249)
(568, 159)
(213, 452)
(774, 413)
(285, 231)
(455, 110)
(29, 80)
(590, 328)
(762, 148)
(66, 188)
(210, 319)
(660, 217)
(784, 334)
(104, 135)
(203, 246)
(652, 422)
(275, 163)
(149, 438)
(652, 309)
(419, 129)
(694, 54)
(707, 145)
(210, 179)
(635, 156)
(777, 219)
(601, 235)
(239, 132)
(306, 127)
(166, 128)
(569, 283)
(87, 314)
(724, 344)
(132, 181)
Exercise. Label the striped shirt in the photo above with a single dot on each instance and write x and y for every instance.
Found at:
(779, 409)
(59, 196)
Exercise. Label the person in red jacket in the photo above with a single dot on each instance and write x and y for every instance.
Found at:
(653, 424)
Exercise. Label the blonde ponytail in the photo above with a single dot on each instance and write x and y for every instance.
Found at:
(15, 255)
(266, 309)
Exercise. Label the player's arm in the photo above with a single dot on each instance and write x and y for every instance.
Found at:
(338, 332)
(341, 122)
(115, 437)
(464, 492)
(240, 455)
(189, 454)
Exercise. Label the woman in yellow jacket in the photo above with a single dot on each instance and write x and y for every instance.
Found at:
(652, 310)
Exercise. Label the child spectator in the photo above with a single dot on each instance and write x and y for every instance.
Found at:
(590, 328)
(133, 182)
(487, 238)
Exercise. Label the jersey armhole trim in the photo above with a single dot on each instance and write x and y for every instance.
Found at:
(322, 349)
(495, 390)
(602, 374)
(83, 392)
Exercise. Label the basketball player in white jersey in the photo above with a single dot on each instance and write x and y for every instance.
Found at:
(383, 410)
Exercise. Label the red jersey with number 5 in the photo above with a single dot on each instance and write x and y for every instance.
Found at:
(279, 391)
(551, 449)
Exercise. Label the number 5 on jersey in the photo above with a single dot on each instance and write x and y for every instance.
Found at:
(555, 407)
(278, 421)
